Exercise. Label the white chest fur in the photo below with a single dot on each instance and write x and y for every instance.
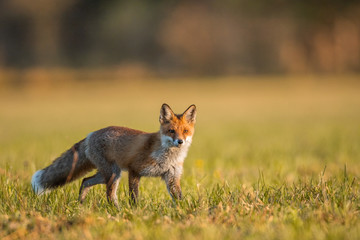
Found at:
(168, 160)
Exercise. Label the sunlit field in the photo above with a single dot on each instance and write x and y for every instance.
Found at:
(272, 158)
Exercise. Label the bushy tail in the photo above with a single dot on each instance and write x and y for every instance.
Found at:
(71, 165)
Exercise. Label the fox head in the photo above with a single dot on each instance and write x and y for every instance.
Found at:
(177, 129)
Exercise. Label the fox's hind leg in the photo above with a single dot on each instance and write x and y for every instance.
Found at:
(110, 171)
(110, 178)
(88, 182)
(112, 181)
(134, 180)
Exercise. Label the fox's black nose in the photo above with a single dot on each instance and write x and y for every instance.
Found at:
(180, 141)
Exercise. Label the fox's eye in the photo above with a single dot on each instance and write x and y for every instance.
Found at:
(171, 131)
(185, 131)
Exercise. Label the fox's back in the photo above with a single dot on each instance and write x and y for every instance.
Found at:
(121, 144)
(115, 132)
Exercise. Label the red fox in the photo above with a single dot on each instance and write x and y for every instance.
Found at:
(114, 149)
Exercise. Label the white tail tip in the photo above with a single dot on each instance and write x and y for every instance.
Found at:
(36, 183)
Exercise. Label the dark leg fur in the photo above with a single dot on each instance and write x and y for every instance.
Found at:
(87, 183)
(134, 180)
(112, 185)
(173, 186)
(110, 178)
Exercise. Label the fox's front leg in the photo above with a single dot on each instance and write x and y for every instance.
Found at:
(173, 185)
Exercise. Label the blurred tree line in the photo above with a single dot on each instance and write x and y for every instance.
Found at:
(201, 37)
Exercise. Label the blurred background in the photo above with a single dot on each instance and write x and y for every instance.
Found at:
(172, 38)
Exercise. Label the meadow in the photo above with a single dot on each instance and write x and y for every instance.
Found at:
(272, 158)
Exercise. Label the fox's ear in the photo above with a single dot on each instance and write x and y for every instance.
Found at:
(190, 114)
(166, 114)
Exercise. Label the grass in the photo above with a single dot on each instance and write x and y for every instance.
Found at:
(272, 158)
